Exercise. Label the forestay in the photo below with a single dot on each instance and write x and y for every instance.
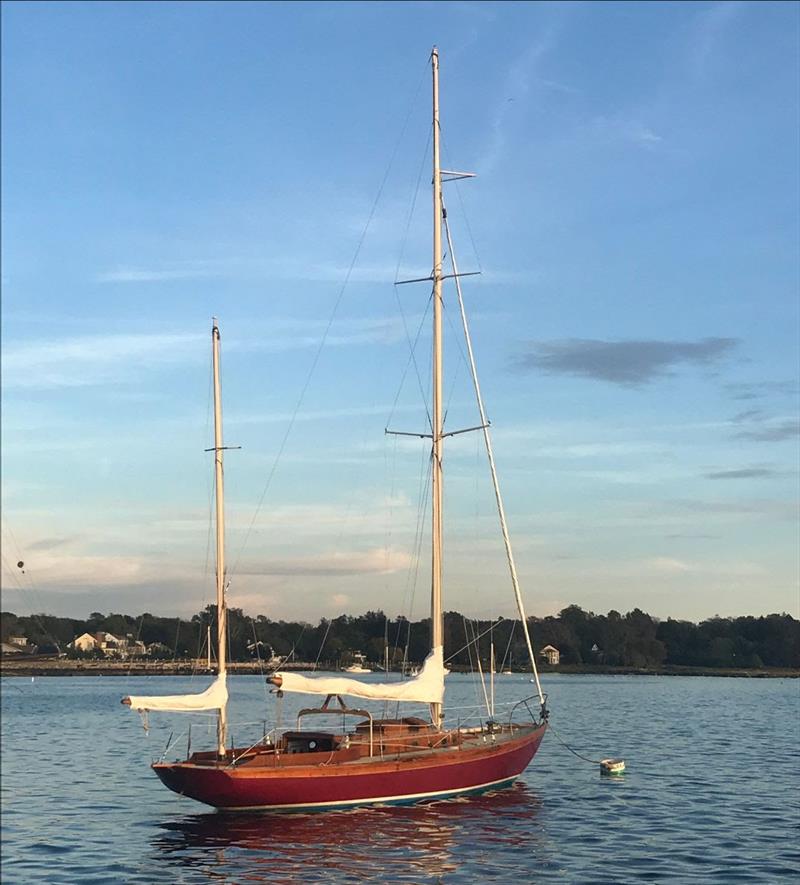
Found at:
(215, 697)
(427, 687)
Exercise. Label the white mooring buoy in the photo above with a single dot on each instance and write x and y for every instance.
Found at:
(612, 766)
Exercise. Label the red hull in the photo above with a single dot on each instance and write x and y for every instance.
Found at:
(424, 777)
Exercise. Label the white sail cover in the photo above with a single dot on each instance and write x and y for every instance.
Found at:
(215, 697)
(427, 687)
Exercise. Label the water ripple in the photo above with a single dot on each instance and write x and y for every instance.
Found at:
(711, 795)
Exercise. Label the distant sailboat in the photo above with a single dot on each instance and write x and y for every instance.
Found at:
(400, 760)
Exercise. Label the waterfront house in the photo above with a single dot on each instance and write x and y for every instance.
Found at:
(551, 654)
(84, 642)
(110, 645)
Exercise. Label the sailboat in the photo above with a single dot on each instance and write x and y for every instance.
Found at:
(380, 760)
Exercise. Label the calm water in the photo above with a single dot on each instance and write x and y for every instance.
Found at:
(712, 793)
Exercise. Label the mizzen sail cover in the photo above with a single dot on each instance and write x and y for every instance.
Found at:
(215, 697)
(427, 687)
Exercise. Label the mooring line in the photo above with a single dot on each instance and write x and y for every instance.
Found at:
(574, 752)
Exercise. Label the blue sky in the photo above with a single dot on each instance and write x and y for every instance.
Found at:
(635, 219)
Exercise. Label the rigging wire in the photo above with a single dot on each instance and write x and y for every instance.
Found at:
(177, 634)
(508, 645)
(322, 644)
(257, 646)
(30, 590)
(422, 511)
(479, 636)
(413, 206)
(490, 457)
(388, 536)
(412, 576)
(464, 214)
(130, 660)
(326, 332)
(285, 658)
(455, 336)
(470, 642)
(412, 360)
(412, 348)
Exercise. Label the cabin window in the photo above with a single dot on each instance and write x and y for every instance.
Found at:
(309, 744)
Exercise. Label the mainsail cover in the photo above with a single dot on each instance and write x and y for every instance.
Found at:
(427, 687)
(215, 697)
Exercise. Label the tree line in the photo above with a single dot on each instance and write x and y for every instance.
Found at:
(634, 639)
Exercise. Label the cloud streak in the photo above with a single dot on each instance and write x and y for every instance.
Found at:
(742, 473)
(621, 129)
(89, 359)
(755, 390)
(628, 363)
(338, 563)
(515, 88)
(142, 275)
(774, 432)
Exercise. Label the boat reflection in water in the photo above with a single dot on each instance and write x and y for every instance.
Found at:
(418, 843)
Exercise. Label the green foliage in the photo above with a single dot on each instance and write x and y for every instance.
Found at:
(632, 640)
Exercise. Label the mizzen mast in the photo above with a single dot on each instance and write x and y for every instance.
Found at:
(222, 633)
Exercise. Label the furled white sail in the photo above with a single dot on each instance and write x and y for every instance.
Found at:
(213, 698)
(427, 687)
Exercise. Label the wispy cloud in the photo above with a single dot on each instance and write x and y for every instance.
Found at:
(668, 564)
(280, 266)
(628, 363)
(101, 359)
(315, 415)
(622, 129)
(711, 24)
(695, 536)
(51, 543)
(516, 87)
(378, 561)
(755, 390)
(90, 359)
(294, 334)
(143, 275)
(743, 473)
(747, 415)
(775, 431)
(740, 507)
(563, 88)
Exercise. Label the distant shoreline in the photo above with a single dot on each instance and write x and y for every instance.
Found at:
(61, 667)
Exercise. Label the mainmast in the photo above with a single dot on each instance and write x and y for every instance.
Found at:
(220, 521)
(437, 620)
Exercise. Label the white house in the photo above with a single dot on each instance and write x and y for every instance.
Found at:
(551, 654)
(110, 644)
(84, 642)
(107, 643)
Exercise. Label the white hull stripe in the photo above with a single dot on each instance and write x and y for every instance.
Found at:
(346, 803)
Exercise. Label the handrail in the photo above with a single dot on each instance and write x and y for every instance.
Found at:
(344, 710)
(525, 702)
